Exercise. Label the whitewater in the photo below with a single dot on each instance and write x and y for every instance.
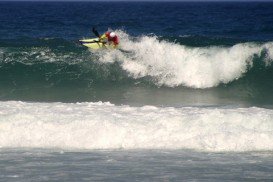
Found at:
(107, 126)
(140, 60)
(147, 59)
(171, 64)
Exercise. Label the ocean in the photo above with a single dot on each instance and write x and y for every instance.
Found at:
(187, 97)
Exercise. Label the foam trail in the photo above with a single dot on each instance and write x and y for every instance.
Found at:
(36, 55)
(172, 65)
(106, 126)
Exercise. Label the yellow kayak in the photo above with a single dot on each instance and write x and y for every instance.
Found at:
(95, 44)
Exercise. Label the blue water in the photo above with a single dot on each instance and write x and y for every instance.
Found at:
(190, 91)
(241, 21)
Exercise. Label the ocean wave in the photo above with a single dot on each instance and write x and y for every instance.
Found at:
(145, 59)
(171, 64)
(106, 126)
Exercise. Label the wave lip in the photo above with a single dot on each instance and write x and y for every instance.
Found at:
(106, 126)
(171, 64)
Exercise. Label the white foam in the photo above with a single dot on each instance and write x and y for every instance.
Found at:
(106, 126)
(172, 65)
(34, 55)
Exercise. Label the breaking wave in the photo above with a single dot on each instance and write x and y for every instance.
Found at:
(149, 62)
(171, 64)
(149, 59)
(106, 126)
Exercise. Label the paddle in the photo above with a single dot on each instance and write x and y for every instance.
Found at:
(98, 35)
(95, 32)
(94, 41)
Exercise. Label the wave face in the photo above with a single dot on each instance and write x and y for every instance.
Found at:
(149, 62)
(106, 126)
(172, 64)
(165, 63)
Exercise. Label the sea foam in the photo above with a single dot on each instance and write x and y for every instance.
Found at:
(107, 126)
(171, 64)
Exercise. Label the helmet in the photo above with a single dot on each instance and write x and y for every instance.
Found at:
(112, 34)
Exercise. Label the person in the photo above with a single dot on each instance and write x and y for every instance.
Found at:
(111, 38)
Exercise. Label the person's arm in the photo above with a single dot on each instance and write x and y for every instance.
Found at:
(116, 42)
(103, 36)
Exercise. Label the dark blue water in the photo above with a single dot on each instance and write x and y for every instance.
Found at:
(241, 21)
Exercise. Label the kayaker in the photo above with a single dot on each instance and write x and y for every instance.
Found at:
(111, 38)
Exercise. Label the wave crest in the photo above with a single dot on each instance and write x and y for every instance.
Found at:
(171, 64)
(145, 59)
